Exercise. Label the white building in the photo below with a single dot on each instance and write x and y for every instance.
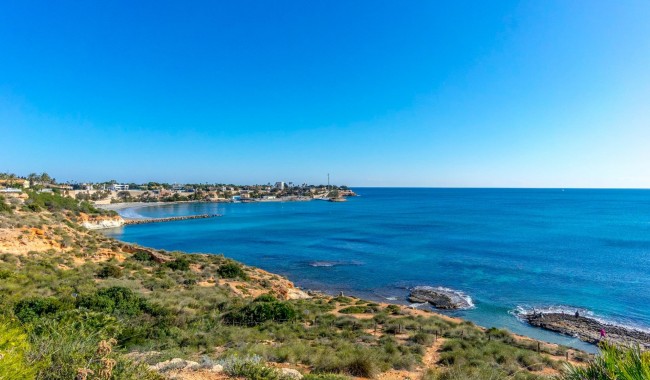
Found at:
(119, 187)
(279, 185)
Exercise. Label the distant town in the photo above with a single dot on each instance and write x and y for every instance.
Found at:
(108, 192)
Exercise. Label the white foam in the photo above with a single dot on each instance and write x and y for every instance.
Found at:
(458, 293)
(323, 264)
(130, 213)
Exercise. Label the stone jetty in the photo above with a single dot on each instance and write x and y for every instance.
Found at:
(588, 329)
(170, 219)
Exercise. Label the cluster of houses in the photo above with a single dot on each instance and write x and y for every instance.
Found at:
(111, 192)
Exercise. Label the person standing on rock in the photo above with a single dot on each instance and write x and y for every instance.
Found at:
(577, 314)
(603, 335)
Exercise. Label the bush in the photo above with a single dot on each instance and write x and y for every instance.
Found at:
(355, 310)
(324, 376)
(14, 348)
(5, 208)
(65, 348)
(179, 264)
(31, 309)
(114, 300)
(265, 298)
(142, 256)
(613, 363)
(231, 270)
(262, 311)
(109, 270)
(361, 365)
(421, 338)
(250, 368)
(392, 309)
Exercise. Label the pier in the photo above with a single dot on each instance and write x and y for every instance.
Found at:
(170, 219)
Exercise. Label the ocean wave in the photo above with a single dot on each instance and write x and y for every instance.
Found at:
(327, 264)
(453, 293)
(130, 213)
(522, 310)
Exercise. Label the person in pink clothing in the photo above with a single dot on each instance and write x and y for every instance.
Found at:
(602, 334)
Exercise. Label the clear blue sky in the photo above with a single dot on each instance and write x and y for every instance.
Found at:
(377, 93)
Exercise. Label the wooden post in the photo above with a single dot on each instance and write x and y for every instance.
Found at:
(538, 347)
(567, 356)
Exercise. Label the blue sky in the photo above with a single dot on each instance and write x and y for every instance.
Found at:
(377, 93)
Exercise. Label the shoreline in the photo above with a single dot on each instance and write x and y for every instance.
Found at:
(127, 205)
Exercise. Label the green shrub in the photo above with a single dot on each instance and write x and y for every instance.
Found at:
(15, 348)
(360, 365)
(114, 300)
(324, 376)
(613, 363)
(250, 368)
(64, 348)
(266, 298)
(355, 310)
(142, 256)
(179, 264)
(421, 338)
(109, 270)
(392, 309)
(231, 270)
(5, 208)
(262, 311)
(27, 310)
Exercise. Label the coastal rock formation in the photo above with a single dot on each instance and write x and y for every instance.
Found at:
(100, 222)
(587, 329)
(441, 298)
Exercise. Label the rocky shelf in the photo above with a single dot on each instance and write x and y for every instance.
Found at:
(170, 219)
(588, 329)
(441, 298)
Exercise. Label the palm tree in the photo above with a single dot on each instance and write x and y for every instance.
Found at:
(32, 177)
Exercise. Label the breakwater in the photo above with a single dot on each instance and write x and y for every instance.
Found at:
(170, 219)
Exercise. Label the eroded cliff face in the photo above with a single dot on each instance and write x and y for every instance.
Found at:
(100, 222)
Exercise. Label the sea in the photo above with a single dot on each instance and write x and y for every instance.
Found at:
(508, 251)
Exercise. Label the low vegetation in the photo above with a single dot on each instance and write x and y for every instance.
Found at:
(612, 364)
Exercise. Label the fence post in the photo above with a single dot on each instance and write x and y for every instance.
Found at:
(538, 347)
(567, 356)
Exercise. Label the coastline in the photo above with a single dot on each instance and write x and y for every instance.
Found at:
(134, 205)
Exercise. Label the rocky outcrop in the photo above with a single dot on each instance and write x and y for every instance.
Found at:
(98, 222)
(587, 329)
(441, 298)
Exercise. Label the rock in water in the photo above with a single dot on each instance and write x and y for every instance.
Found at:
(441, 298)
(588, 329)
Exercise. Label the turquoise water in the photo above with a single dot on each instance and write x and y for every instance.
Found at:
(508, 249)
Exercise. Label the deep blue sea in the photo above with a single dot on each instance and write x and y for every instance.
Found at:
(508, 249)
